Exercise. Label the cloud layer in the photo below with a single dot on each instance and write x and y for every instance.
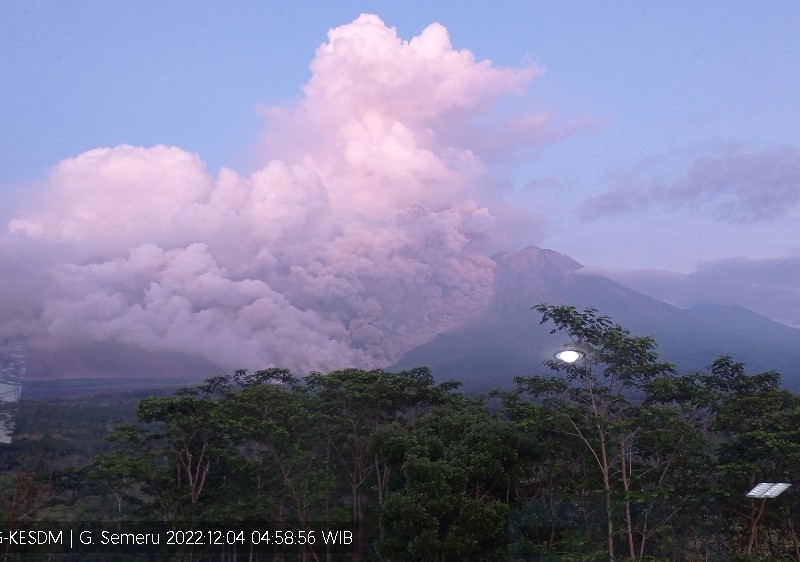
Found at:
(769, 286)
(360, 237)
(731, 185)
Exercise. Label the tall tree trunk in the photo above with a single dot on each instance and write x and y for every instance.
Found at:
(626, 487)
(607, 486)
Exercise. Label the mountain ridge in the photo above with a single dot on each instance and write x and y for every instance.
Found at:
(506, 340)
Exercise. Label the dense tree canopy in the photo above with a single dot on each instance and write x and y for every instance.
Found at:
(613, 457)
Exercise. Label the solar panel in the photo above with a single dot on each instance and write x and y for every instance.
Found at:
(768, 490)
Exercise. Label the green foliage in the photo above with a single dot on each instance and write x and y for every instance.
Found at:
(460, 469)
(614, 457)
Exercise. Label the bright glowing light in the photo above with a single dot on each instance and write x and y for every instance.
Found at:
(569, 355)
(768, 490)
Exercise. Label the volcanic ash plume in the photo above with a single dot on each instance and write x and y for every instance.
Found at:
(361, 236)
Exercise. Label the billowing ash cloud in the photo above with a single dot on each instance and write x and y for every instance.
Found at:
(361, 237)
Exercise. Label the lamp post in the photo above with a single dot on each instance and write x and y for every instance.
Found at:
(763, 491)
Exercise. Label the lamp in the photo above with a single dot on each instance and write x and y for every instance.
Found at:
(568, 355)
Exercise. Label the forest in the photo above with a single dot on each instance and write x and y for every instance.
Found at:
(614, 457)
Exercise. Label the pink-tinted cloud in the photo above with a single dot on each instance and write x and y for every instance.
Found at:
(360, 237)
(380, 112)
(128, 194)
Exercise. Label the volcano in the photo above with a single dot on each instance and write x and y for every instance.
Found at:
(506, 340)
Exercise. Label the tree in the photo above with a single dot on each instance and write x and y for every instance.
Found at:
(759, 426)
(595, 405)
(352, 404)
(458, 470)
(286, 471)
(171, 455)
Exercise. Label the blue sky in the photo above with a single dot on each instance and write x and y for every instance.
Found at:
(671, 149)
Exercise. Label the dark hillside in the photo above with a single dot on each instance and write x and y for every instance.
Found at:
(506, 339)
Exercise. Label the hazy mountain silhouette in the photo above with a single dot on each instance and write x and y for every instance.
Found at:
(506, 340)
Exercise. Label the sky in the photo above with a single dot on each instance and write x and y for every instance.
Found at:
(272, 181)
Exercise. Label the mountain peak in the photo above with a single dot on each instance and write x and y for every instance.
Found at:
(506, 339)
(530, 276)
(536, 258)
